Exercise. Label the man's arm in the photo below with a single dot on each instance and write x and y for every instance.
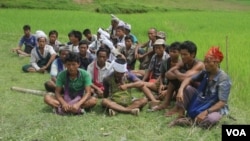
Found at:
(106, 88)
(194, 70)
(51, 59)
(20, 44)
(146, 76)
(33, 60)
(137, 48)
(59, 97)
(136, 84)
(85, 96)
(170, 73)
(185, 82)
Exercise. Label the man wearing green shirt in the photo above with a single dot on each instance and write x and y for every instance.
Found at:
(73, 93)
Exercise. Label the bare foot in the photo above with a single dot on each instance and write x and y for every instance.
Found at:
(135, 111)
(160, 107)
(152, 104)
(175, 111)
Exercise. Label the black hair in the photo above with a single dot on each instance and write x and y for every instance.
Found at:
(120, 27)
(84, 42)
(72, 57)
(26, 27)
(153, 28)
(53, 32)
(86, 31)
(75, 33)
(103, 49)
(129, 37)
(189, 46)
(175, 46)
(120, 61)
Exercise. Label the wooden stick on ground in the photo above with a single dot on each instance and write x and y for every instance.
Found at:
(30, 91)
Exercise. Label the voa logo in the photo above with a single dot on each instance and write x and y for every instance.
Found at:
(236, 132)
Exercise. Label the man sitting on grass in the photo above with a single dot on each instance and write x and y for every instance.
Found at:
(117, 97)
(28, 40)
(160, 86)
(184, 69)
(56, 67)
(41, 56)
(76, 83)
(207, 104)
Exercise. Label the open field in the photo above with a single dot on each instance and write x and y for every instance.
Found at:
(26, 117)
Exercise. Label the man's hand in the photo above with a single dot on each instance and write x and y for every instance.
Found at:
(75, 108)
(42, 69)
(15, 49)
(99, 92)
(139, 56)
(66, 107)
(199, 118)
(179, 96)
(123, 87)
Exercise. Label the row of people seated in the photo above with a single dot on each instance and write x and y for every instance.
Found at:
(160, 69)
(210, 96)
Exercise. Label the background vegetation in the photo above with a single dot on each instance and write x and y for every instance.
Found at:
(207, 23)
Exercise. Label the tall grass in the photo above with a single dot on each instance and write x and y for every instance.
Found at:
(26, 117)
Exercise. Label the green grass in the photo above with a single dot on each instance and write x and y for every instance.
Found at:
(26, 117)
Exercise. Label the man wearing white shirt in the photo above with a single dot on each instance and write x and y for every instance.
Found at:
(75, 37)
(41, 56)
(98, 69)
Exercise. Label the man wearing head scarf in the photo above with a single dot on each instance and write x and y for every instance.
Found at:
(41, 56)
(117, 96)
(208, 103)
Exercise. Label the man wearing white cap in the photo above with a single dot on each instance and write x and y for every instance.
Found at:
(127, 31)
(116, 95)
(114, 24)
(41, 56)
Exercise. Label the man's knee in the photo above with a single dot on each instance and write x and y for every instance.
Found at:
(141, 101)
(49, 86)
(47, 98)
(92, 101)
(104, 101)
(214, 117)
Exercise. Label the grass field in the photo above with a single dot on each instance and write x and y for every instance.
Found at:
(25, 117)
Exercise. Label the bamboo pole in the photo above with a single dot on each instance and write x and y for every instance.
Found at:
(30, 91)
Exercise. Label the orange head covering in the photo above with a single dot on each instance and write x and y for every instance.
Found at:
(215, 54)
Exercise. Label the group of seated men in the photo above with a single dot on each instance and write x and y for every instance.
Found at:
(103, 66)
